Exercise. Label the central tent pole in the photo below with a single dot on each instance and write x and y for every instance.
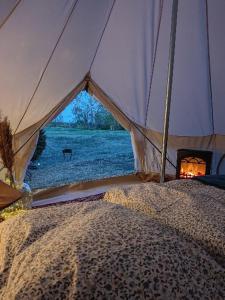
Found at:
(169, 88)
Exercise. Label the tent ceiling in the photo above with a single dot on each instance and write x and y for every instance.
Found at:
(116, 41)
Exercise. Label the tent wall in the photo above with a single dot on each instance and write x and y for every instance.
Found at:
(6, 9)
(147, 158)
(25, 141)
(40, 66)
(48, 46)
(136, 138)
(214, 143)
(128, 69)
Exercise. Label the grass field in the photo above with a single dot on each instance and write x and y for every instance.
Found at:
(96, 154)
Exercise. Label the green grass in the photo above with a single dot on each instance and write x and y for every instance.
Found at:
(96, 154)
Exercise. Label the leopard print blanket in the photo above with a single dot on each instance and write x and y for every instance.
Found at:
(195, 210)
(103, 250)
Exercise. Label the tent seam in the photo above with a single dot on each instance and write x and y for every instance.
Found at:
(47, 64)
(10, 14)
(54, 110)
(131, 122)
(99, 42)
(209, 65)
(154, 60)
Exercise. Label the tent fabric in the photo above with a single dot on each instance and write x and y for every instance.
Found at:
(214, 143)
(136, 137)
(7, 7)
(25, 142)
(47, 48)
(8, 195)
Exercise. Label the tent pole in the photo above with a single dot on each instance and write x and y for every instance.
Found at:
(169, 88)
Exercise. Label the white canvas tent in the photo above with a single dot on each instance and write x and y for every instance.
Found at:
(51, 49)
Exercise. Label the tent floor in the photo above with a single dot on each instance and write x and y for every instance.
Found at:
(80, 190)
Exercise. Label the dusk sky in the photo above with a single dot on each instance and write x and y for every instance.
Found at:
(67, 113)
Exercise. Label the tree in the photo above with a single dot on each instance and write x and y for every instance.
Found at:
(41, 144)
(58, 121)
(105, 120)
(85, 109)
(90, 114)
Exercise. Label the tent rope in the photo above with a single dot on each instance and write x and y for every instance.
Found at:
(46, 121)
(99, 42)
(134, 124)
(154, 145)
(10, 14)
(47, 64)
(154, 59)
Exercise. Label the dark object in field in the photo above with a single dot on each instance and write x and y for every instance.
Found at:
(67, 152)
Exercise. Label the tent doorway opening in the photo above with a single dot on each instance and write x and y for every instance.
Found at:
(83, 143)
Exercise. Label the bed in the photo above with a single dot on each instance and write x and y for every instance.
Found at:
(146, 241)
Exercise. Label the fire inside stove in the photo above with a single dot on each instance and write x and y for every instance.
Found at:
(191, 167)
(191, 163)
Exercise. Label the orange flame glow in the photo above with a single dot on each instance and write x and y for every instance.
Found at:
(191, 168)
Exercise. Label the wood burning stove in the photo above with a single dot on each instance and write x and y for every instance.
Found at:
(191, 163)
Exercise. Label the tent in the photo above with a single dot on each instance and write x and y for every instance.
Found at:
(119, 50)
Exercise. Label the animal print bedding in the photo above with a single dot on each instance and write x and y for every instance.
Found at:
(197, 211)
(102, 250)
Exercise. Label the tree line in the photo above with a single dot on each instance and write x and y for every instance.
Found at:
(88, 114)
